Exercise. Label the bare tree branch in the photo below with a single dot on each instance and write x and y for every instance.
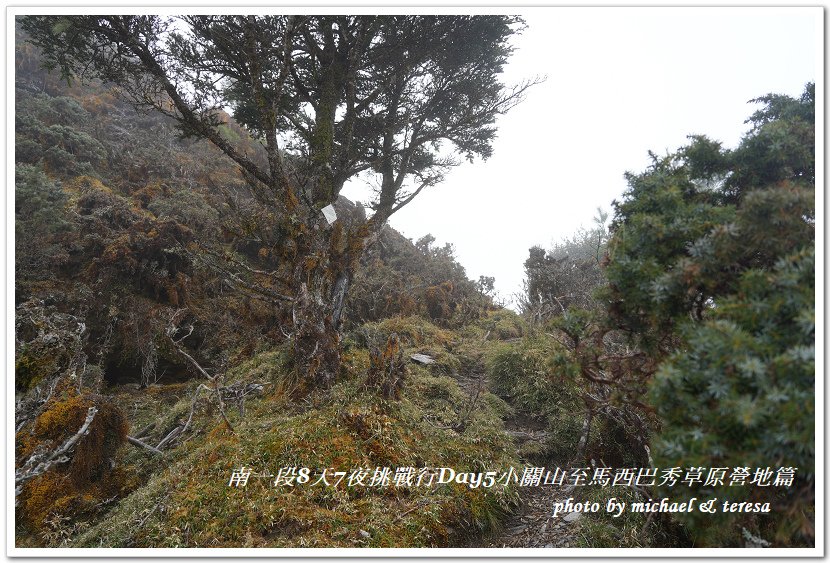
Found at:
(40, 462)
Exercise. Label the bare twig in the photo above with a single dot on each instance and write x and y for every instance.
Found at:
(193, 362)
(214, 379)
(167, 439)
(464, 419)
(405, 512)
(140, 524)
(234, 279)
(181, 428)
(438, 426)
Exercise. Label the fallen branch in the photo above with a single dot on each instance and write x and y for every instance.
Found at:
(190, 358)
(172, 435)
(40, 462)
(139, 443)
(193, 405)
(27, 408)
(233, 390)
(214, 379)
(239, 391)
(140, 524)
(404, 513)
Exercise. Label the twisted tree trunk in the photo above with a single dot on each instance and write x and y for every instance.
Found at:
(323, 272)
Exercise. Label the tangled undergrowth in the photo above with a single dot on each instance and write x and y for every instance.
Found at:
(185, 499)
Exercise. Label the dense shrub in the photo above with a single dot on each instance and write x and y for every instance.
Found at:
(711, 270)
(398, 277)
(742, 395)
(40, 217)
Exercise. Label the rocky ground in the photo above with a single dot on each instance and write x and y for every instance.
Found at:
(532, 524)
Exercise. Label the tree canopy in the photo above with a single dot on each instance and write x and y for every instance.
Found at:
(339, 94)
(397, 98)
(689, 226)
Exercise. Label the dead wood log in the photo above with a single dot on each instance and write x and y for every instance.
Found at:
(139, 443)
(146, 430)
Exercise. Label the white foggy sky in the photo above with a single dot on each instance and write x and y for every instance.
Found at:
(621, 81)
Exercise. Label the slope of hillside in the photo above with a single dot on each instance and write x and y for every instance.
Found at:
(138, 310)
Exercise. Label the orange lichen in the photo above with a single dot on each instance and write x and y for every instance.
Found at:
(61, 417)
(291, 201)
(311, 263)
(44, 495)
(336, 239)
(56, 493)
(95, 450)
(88, 478)
(25, 444)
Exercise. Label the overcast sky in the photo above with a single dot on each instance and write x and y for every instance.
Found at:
(620, 82)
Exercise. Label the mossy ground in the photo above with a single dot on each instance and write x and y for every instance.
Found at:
(185, 499)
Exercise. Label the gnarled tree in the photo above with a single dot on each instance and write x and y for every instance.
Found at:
(397, 98)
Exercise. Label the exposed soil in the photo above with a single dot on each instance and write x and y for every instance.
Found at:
(532, 523)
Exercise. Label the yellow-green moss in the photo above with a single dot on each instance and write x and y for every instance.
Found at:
(30, 370)
(76, 488)
(345, 427)
(61, 417)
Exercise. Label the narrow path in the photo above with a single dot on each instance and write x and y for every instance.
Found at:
(532, 524)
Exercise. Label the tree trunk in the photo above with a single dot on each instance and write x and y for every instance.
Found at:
(316, 339)
(323, 274)
(338, 297)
